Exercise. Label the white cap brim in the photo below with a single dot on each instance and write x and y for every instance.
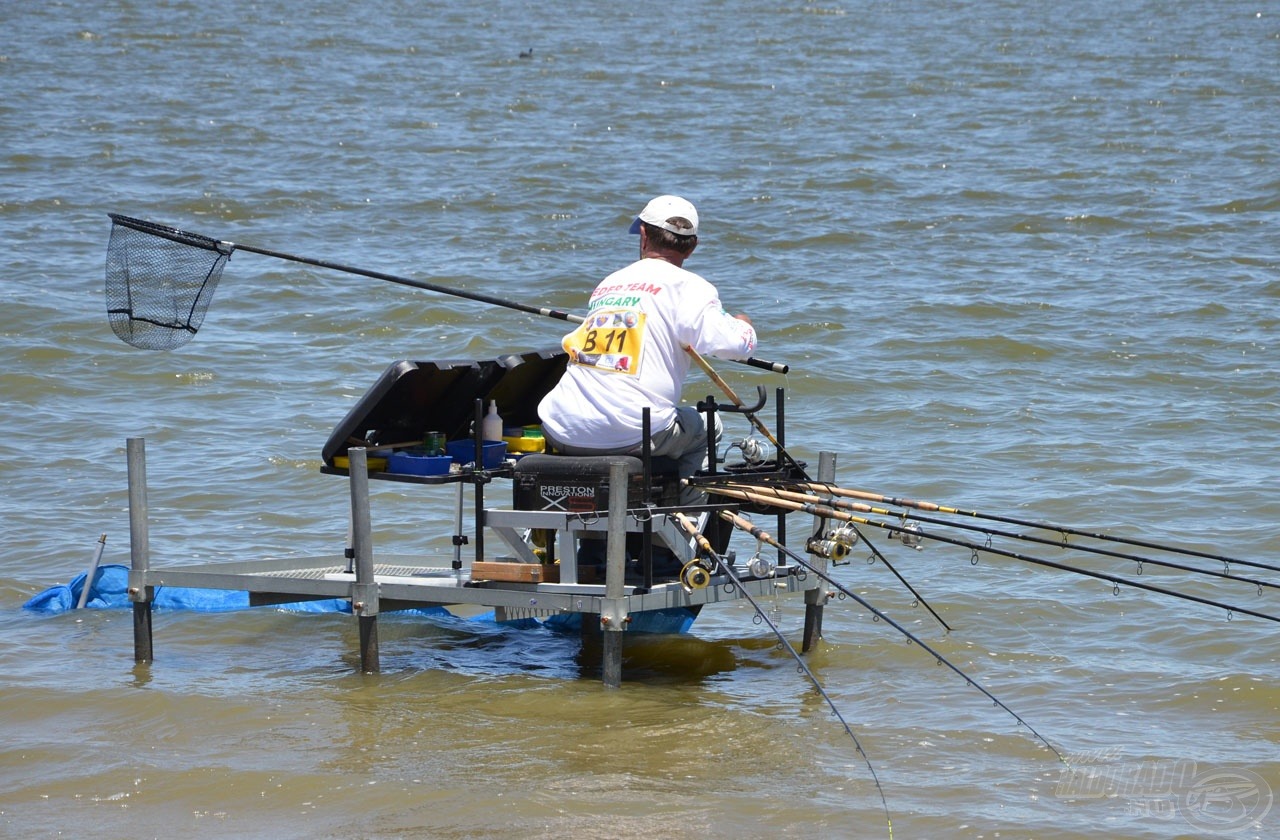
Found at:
(662, 209)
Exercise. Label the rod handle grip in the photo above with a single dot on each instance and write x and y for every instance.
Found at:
(775, 367)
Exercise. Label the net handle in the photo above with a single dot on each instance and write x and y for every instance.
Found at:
(208, 243)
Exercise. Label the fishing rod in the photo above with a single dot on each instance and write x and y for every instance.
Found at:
(782, 452)
(160, 283)
(875, 552)
(1045, 526)
(989, 532)
(759, 533)
(705, 546)
(733, 397)
(751, 415)
(1114, 580)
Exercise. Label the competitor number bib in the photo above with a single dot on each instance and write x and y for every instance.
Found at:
(608, 341)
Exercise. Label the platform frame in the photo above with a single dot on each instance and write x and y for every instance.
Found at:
(400, 582)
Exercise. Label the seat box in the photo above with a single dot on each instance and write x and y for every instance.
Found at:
(576, 484)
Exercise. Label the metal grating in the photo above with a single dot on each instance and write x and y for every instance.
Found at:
(383, 569)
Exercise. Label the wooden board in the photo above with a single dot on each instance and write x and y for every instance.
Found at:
(514, 572)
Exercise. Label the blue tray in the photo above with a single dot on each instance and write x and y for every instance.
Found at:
(464, 452)
(407, 463)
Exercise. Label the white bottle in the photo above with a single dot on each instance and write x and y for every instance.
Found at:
(492, 428)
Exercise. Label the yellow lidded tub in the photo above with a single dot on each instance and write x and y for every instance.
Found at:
(342, 462)
(525, 445)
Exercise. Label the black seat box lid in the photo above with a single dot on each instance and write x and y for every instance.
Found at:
(410, 399)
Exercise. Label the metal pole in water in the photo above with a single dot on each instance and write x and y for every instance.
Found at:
(139, 550)
(364, 592)
(93, 571)
(459, 539)
(815, 599)
(612, 613)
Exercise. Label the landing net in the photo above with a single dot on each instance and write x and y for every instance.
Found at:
(160, 282)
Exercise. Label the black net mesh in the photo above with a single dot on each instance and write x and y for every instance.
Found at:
(160, 282)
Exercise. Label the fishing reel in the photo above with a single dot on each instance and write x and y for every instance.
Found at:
(835, 545)
(761, 567)
(846, 535)
(696, 574)
(910, 535)
(755, 452)
(828, 549)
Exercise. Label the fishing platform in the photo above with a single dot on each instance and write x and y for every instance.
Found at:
(604, 543)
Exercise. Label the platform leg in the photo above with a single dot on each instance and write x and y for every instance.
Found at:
(364, 592)
(369, 654)
(613, 611)
(142, 651)
(611, 670)
(815, 599)
(812, 626)
(139, 550)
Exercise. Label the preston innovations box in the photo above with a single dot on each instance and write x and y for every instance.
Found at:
(578, 484)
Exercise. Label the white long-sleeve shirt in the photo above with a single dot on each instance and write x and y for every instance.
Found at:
(629, 353)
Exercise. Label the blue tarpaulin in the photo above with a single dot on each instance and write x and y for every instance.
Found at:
(109, 590)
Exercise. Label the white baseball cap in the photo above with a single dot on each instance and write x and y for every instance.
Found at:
(669, 212)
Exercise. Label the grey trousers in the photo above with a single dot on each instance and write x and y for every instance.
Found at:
(684, 441)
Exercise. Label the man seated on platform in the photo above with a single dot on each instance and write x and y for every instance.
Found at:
(630, 351)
